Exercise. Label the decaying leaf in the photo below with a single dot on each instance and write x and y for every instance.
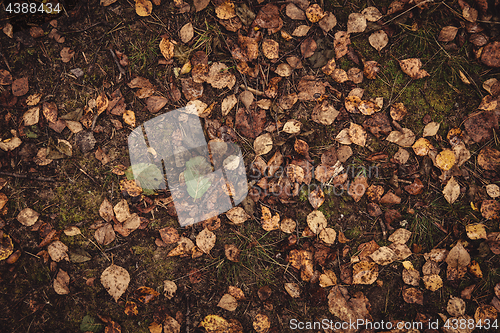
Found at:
(405, 138)
(364, 272)
(447, 34)
(347, 308)
(413, 295)
(356, 23)
(446, 159)
(115, 280)
(143, 7)
(458, 259)
(358, 188)
(412, 68)
(451, 191)
(293, 289)
(61, 283)
(205, 240)
(378, 40)
(58, 251)
(228, 302)
(237, 215)
(314, 13)
(269, 222)
(316, 221)
(261, 323)
(432, 282)
(27, 217)
(490, 209)
(263, 144)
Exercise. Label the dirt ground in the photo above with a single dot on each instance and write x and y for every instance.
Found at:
(69, 191)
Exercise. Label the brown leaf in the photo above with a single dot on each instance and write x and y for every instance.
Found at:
(371, 69)
(5, 77)
(302, 148)
(272, 87)
(489, 159)
(61, 283)
(115, 280)
(270, 49)
(415, 188)
(412, 68)
(328, 22)
(490, 209)
(156, 103)
(192, 90)
(316, 198)
(398, 111)
(199, 5)
(294, 12)
(269, 18)
(347, 308)
(378, 124)
(358, 188)
(169, 235)
(20, 87)
(146, 294)
(480, 125)
(250, 123)
(232, 252)
(390, 199)
(269, 222)
(67, 54)
(447, 34)
(105, 235)
(364, 272)
(413, 296)
(356, 23)
(357, 134)
(340, 43)
(143, 7)
(491, 54)
(458, 259)
(308, 47)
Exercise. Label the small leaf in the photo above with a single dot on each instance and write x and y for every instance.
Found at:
(195, 176)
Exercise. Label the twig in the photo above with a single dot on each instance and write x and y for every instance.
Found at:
(17, 175)
(120, 68)
(406, 11)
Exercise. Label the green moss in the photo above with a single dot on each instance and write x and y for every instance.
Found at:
(354, 232)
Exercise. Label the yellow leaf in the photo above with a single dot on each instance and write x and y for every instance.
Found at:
(129, 118)
(143, 7)
(422, 146)
(445, 159)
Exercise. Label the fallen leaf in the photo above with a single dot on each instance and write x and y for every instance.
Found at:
(411, 276)
(143, 7)
(166, 48)
(348, 308)
(432, 282)
(105, 235)
(378, 40)
(263, 144)
(446, 159)
(316, 197)
(6, 79)
(122, 211)
(400, 236)
(66, 54)
(268, 17)
(232, 252)
(486, 313)
(294, 12)
(476, 231)
(358, 187)
(412, 68)
(6, 247)
(20, 87)
(261, 323)
(405, 138)
(27, 217)
(413, 296)
(490, 209)
(451, 191)
(237, 215)
(340, 43)
(422, 146)
(364, 272)
(293, 289)
(316, 221)
(58, 251)
(415, 188)
(447, 34)
(480, 125)
(308, 47)
(32, 116)
(187, 32)
(456, 306)
(470, 14)
(131, 310)
(287, 225)
(383, 256)
(115, 280)
(328, 235)
(493, 190)
(328, 22)
(357, 134)
(371, 14)
(458, 259)
(205, 240)
(156, 103)
(292, 126)
(169, 289)
(269, 222)
(491, 54)
(398, 111)
(356, 23)
(61, 283)
(489, 158)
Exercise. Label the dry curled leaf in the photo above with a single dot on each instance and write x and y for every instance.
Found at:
(412, 68)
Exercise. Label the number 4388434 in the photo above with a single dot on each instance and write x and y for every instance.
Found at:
(32, 8)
